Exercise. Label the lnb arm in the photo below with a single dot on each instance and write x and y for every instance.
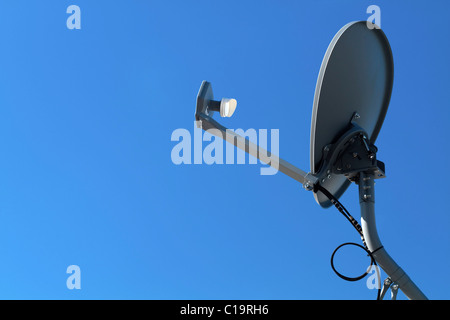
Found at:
(206, 106)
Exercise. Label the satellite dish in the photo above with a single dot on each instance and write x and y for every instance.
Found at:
(355, 80)
(351, 100)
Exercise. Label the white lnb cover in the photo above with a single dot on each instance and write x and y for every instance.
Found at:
(227, 107)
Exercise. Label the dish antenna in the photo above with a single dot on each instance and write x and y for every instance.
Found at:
(350, 103)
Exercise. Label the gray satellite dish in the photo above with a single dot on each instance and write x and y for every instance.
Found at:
(355, 78)
(351, 100)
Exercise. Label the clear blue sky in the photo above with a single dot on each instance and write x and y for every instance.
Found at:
(86, 176)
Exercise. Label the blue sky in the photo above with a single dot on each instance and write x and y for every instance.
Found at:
(87, 179)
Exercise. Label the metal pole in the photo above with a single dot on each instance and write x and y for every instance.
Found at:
(384, 260)
(213, 127)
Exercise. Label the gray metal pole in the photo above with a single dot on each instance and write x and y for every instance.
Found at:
(213, 127)
(368, 224)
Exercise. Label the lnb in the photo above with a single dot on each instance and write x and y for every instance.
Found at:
(226, 106)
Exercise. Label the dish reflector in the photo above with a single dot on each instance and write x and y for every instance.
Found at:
(356, 77)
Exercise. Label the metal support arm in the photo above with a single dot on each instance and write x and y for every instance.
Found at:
(213, 127)
(205, 108)
(385, 261)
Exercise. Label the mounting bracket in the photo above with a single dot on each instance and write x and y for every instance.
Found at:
(351, 154)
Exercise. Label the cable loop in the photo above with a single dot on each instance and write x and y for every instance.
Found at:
(358, 228)
(372, 262)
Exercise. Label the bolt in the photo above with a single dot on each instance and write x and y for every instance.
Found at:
(355, 154)
(329, 176)
(366, 196)
(356, 116)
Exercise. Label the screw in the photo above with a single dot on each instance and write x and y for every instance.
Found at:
(355, 154)
(366, 196)
(356, 116)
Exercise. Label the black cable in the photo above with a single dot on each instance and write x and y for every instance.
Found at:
(341, 275)
(358, 228)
